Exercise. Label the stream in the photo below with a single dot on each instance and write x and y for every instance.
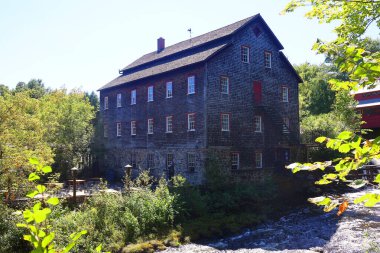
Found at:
(305, 230)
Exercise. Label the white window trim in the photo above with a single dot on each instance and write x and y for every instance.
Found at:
(190, 91)
(106, 103)
(150, 126)
(167, 124)
(192, 156)
(228, 84)
(150, 96)
(260, 156)
(133, 97)
(285, 94)
(248, 53)
(118, 100)
(133, 127)
(228, 122)
(169, 84)
(260, 124)
(118, 129)
(266, 53)
(188, 122)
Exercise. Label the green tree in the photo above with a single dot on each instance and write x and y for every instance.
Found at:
(351, 54)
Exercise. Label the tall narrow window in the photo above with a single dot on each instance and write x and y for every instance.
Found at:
(169, 89)
(268, 59)
(257, 124)
(169, 124)
(118, 129)
(285, 128)
(191, 122)
(150, 126)
(118, 103)
(191, 162)
(150, 161)
(150, 93)
(105, 103)
(259, 160)
(224, 85)
(133, 97)
(285, 94)
(191, 85)
(235, 161)
(169, 160)
(245, 54)
(133, 127)
(225, 122)
(105, 131)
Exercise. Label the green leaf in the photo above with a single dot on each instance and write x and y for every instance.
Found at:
(28, 238)
(33, 177)
(358, 183)
(320, 139)
(32, 194)
(320, 201)
(345, 135)
(41, 188)
(323, 181)
(330, 206)
(99, 248)
(344, 148)
(47, 169)
(53, 201)
(34, 161)
(48, 239)
(330, 176)
(377, 179)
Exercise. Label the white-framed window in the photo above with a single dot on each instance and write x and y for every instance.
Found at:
(150, 126)
(133, 97)
(169, 160)
(259, 160)
(286, 125)
(225, 121)
(224, 84)
(191, 85)
(235, 161)
(169, 124)
(191, 122)
(268, 59)
(133, 127)
(118, 129)
(150, 93)
(245, 54)
(285, 94)
(150, 161)
(191, 162)
(105, 103)
(257, 122)
(118, 100)
(169, 89)
(105, 131)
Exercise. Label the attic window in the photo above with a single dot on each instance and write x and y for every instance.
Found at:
(257, 31)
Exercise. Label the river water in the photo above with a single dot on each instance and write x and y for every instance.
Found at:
(305, 230)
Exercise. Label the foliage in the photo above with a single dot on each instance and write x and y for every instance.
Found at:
(356, 57)
(36, 219)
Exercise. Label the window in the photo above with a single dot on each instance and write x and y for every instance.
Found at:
(191, 122)
(105, 103)
(133, 127)
(285, 94)
(150, 126)
(169, 124)
(118, 104)
(150, 93)
(245, 54)
(191, 85)
(105, 131)
(169, 160)
(191, 162)
(225, 122)
(258, 124)
(235, 161)
(150, 161)
(133, 97)
(224, 85)
(285, 127)
(118, 129)
(169, 89)
(259, 160)
(268, 59)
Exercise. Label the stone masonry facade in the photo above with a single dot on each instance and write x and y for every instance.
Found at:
(225, 120)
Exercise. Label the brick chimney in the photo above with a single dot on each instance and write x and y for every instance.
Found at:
(160, 44)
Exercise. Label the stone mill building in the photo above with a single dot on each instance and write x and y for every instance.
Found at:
(229, 93)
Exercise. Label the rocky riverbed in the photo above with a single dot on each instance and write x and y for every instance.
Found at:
(305, 230)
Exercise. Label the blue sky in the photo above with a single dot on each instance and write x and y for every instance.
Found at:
(83, 43)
